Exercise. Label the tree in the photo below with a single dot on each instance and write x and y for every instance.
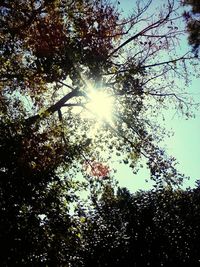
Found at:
(58, 45)
(52, 53)
(36, 227)
(154, 228)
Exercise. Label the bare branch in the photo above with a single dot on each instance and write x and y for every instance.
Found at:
(167, 62)
(170, 94)
(142, 32)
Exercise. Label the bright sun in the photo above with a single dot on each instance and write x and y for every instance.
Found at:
(100, 104)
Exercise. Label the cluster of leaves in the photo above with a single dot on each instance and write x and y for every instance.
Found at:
(54, 36)
(36, 227)
(97, 169)
(154, 228)
(193, 23)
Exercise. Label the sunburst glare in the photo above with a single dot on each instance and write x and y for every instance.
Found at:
(100, 104)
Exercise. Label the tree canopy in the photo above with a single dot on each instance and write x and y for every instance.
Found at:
(53, 55)
(55, 51)
(154, 228)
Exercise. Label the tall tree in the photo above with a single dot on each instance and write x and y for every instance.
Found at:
(54, 52)
(154, 228)
(36, 227)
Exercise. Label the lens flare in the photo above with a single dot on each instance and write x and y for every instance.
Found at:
(100, 104)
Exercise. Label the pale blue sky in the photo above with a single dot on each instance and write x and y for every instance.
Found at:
(184, 145)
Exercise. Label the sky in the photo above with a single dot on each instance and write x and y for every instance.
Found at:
(184, 145)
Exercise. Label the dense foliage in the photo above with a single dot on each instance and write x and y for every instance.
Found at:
(35, 224)
(155, 228)
(192, 18)
(54, 52)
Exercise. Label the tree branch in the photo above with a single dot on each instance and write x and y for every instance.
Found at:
(57, 106)
(167, 62)
(73, 105)
(142, 32)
